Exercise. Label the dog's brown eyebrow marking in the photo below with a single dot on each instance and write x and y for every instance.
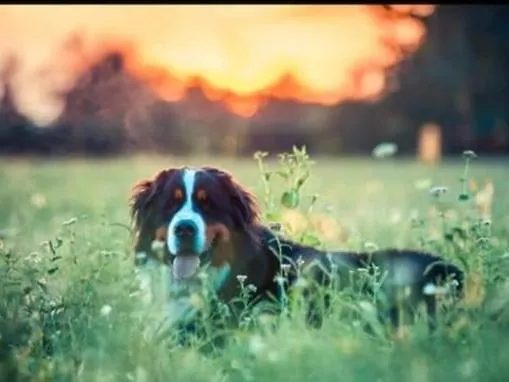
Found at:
(178, 194)
(161, 234)
(201, 195)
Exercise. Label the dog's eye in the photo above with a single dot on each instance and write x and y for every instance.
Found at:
(202, 196)
(178, 194)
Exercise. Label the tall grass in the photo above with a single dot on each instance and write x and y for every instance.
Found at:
(69, 308)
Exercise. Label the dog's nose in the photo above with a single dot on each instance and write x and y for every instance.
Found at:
(185, 230)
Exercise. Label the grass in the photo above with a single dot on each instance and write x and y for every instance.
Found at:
(66, 274)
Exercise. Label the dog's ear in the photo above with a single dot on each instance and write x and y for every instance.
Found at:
(139, 200)
(144, 212)
(142, 196)
(245, 208)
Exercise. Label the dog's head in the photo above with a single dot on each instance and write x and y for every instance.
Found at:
(197, 212)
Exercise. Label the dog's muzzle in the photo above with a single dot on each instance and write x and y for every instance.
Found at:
(187, 245)
(186, 236)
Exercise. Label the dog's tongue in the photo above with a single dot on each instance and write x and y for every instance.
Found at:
(185, 267)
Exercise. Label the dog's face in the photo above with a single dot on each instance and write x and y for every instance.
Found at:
(194, 211)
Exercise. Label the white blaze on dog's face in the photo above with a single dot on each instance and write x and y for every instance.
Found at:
(186, 238)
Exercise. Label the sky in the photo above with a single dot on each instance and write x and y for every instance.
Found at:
(305, 53)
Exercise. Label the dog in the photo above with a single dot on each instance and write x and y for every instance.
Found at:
(201, 221)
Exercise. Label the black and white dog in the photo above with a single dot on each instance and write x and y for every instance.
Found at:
(200, 221)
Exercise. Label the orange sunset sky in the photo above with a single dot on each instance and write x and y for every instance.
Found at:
(244, 51)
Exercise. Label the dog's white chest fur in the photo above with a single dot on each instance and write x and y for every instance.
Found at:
(167, 300)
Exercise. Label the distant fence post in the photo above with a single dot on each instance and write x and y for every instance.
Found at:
(430, 143)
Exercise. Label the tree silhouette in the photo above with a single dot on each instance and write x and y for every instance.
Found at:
(16, 131)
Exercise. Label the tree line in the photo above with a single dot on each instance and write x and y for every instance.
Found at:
(457, 79)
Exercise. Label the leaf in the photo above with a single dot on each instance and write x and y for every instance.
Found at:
(43, 286)
(276, 226)
(260, 155)
(290, 199)
(273, 216)
(282, 174)
(310, 239)
(302, 180)
(463, 196)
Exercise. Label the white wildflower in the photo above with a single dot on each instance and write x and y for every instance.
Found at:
(202, 275)
(34, 257)
(301, 283)
(370, 246)
(469, 154)
(367, 307)
(106, 310)
(483, 240)
(395, 216)
(70, 221)
(384, 150)
(280, 280)
(241, 278)
(285, 267)
(141, 256)
(438, 191)
(157, 245)
(423, 184)
(38, 200)
(141, 374)
(196, 301)
(273, 356)
(468, 368)
(414, 214)
(329, 208)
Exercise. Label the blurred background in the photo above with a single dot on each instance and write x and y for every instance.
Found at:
(230, 80)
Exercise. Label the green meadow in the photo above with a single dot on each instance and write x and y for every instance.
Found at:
(68, 305)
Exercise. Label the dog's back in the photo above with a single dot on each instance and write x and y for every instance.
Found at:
(403, 279)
